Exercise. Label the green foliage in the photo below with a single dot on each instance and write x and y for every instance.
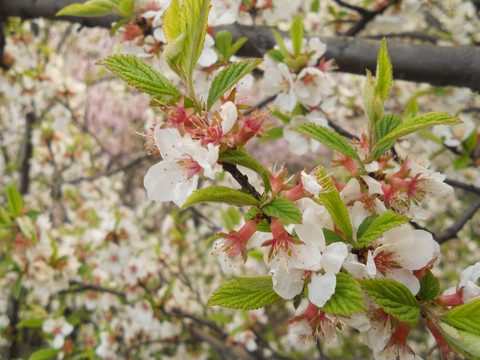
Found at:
(348, 297)
(44, 354)
(331, 236)
(284, 210)
(383, 127)
(328, 137)
(245, 293)
(296, 34)
(140, 75)
(465, 317)
(223, 42)
(335, 206)
(379, 225)
(221, 194)
(229, 77)
(394, 298)
(98, 8)
(242, 158)
(466, 343)
(383, 75)
(14, 200)
(416, 124)
(429, 287)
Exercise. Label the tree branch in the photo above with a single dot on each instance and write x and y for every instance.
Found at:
(452, 231)
(440, 66)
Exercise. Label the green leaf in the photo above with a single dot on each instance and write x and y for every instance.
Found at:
(242, 158)
(386, 125)
(17, 287)
(383, 75)
(27, 227)
(330, 198)
(221, 194)
(172, 26)
(30, 323)
(276, 55)
(15, 203)
(328, 137)
(465, 317)
(140, 75)
(117, 26)
(263, 225)
(283, 209)
(223, 42)
(348, 297)
(394, 298)
(464, 342)
(418, 123)
(229, 77)
(296, 34)
(365, 225)
(331, 236)
(461, 161)
(245, 293)
(369, 93)
(281, 45)
(126, 7)
(43, 354)
(273, 134)
(429, 287)
(384, 222)
(315, 7)
(471, 142)
(412, 109)
(194, 15)
(88, 9)
(236, 46)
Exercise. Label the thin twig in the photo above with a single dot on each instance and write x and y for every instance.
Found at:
(463, 186)
(81, 287)
(261, 104)
(241, 179)
(452, 231)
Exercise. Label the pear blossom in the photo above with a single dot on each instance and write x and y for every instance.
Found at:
(279, 80)
(312, 86)
(184, 161)
(399, 252)
(60, 328)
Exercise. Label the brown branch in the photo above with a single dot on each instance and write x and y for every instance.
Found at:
(30, 119)
(241, 179)
(81, 287)
(452, 231)
(440, 66)
(463, 186)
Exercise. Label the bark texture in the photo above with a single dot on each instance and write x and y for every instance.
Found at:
(437, 65)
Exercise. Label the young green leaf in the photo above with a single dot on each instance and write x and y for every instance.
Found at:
(263, 225)
(466, 343)
(126, 7)
(465, 317)
(15, 203)
(331, 236)
(369, 93)
(44, 354)
(283, 209)
(194, 15)
(242, 293)
(296, 34)
(30, 323)
(242, 158)
(221, 194)
(348, 297)
(386, 125)
(276, 55)
(328, 137)
(88, 9)
(418, 123)
(229, 77)
(335, 206)
(365, 225)
(394, 298)
(140, 75)
(383, 75)
(223, 42)
(429, 287)
(17, 287)
(172, 26)
(281, 45)
(384, 222)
